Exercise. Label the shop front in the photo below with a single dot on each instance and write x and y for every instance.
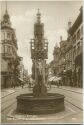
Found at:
(79, 70)
(69, 80)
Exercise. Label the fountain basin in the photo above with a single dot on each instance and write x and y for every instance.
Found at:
(28, 104)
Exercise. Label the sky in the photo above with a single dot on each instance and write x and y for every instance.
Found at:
(55, 16)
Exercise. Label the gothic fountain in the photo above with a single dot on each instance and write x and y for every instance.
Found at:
(40, 101)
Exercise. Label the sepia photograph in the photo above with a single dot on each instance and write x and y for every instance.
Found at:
(41, 62)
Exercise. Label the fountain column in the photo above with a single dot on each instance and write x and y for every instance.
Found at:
(39, 55)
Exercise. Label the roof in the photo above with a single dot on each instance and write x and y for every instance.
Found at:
(77, 22)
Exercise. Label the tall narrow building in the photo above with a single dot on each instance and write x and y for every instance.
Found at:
(9, 57)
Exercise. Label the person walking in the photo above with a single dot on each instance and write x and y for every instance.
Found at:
(58, 84)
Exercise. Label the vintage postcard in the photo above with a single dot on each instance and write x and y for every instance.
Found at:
(41, 58)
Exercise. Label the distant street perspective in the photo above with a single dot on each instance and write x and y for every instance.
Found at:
(41, 62)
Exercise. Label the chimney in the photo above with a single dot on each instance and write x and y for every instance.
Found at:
(81, 9)
(69, 24)
(60, 38)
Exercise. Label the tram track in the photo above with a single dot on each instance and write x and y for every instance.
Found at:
(68, 90)
(74, 97)
(2, 100)
(11, 100)
(71, 91)
(9, 106)
(74, 105)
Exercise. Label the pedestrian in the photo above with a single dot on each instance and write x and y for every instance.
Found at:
(29, 85)
(22, 85)
(50, 85)
(14, 86)
(58, 84)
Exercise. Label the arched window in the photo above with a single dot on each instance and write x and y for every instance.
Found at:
(8, 35)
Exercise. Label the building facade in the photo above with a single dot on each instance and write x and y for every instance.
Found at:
(76, 35)
(68, 61)
(9, 57)
(62, 61)
(56, 59)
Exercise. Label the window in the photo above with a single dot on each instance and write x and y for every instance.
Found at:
(9, 49)
(13, 51)
(13, 36)
(2, 35)
(74, 39)
(81, 31)
(8, 35)
(78, 34)
(2, 49)
(78, 48)
(6, 49)
(74, 52)
(69, 55)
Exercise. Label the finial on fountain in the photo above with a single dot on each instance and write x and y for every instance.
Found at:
(38, 16)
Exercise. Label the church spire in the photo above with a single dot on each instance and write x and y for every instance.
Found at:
(6, 11)
(38, 16)
(6, 18)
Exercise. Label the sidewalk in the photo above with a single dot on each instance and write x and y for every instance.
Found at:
(5, 92)
(8, 91)
(73, 89)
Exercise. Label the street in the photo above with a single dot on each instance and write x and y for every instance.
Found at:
(74, 97)
(72, 114)
(9, 101)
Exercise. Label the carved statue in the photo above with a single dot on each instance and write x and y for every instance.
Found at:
(39, 89)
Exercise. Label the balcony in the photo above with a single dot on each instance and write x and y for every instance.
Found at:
(6, 56)
(69, 45)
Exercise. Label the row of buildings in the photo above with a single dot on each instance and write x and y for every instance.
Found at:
(67, 61)
(12, 69)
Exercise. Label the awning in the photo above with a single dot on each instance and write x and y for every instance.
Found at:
(51, 78)
(55, 78)
(20, 79)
